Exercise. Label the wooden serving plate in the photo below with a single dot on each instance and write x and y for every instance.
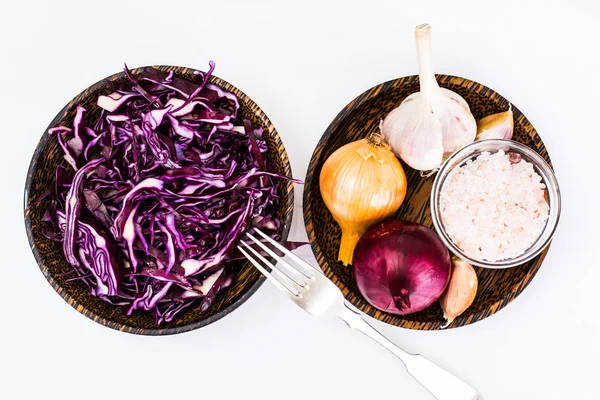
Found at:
(497, 287)
(49, 254)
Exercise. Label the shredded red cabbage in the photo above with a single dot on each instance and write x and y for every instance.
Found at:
(164, 184)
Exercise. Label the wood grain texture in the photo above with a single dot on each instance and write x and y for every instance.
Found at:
(497, 287)
(49, 254)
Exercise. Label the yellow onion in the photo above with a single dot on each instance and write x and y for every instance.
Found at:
(361, 183)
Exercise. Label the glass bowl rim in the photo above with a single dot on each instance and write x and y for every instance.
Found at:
(462, 155)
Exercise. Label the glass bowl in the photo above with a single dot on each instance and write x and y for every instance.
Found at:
(470, 152)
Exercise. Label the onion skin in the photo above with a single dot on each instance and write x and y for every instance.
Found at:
(361, 183)
(401, 267)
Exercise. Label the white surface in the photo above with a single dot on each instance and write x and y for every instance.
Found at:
(302, 63)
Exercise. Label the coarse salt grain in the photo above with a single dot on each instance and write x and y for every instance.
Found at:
(494, 209)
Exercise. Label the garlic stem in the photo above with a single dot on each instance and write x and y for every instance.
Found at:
(429, 86)
(430, 124)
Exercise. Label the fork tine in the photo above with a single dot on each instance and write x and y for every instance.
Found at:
(270, 252)
(285, 277)
(288, 253)
(266, 273)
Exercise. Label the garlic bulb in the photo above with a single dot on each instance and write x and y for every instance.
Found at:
(496, 126)
(361, 183)
(461, 290)
(429, 125)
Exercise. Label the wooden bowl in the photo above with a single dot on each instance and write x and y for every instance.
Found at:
(497, 288)
(49, 254)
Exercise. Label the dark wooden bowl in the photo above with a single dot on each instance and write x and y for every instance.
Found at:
(49, 254)
(497, 287)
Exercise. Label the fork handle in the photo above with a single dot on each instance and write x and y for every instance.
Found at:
(442, 384)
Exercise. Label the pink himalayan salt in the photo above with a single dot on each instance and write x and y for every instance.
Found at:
(493, 209)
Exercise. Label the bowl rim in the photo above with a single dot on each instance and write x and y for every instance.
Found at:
(310, 181)
(464, 154)
(81, 308)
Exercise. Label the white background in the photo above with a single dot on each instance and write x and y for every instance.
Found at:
(302, 62)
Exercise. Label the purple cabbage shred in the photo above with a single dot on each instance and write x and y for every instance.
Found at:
(158, 191)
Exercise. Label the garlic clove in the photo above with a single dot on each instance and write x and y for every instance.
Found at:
(458, 124)
(461, 290)
(496, 126)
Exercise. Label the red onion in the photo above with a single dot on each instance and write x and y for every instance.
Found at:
(401, 267)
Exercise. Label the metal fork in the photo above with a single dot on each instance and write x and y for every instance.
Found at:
(310, 289)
